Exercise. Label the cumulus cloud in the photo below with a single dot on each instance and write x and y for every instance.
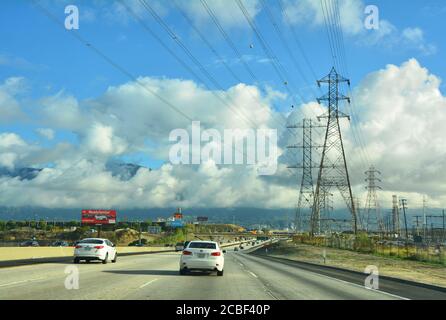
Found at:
(403, 114)
(46, 133)
(401, 111)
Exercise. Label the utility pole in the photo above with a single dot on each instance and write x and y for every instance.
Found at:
(333, 171)
(306, 194)
(396, 216)
(404, 204)
(444, 230)
(372, 204)
(424, 217)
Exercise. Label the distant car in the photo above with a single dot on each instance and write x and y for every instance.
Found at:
(95, 249)
(31, 243)
(235, 248)
(60, 244)
(202, 256)
(101, 218)
(242, 247)
(179, 246)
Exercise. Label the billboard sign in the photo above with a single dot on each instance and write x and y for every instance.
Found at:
(98, 217)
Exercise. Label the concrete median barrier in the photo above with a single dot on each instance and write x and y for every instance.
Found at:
(15, 256)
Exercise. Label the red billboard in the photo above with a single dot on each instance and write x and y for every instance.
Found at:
(98, 217)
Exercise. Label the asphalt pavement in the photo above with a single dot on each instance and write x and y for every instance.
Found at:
(156, 276)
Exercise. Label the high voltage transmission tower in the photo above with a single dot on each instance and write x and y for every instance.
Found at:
(396, 216)
(306, 194)
(373, 216)
(333, 172)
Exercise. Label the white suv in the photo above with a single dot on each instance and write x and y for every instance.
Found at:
(95, 249)
(202, 256)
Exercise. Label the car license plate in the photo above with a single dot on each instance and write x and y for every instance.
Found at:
(87, 248)
(201, 255)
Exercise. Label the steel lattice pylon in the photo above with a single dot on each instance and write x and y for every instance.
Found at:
(333, 171)
(306, 194)
(372, 204)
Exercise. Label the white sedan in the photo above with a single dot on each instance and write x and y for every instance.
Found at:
(202, 256)
(95, 249)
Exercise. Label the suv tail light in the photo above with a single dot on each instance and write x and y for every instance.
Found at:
(216, 254)
(99, 247)
(187, 253)
(78, 247)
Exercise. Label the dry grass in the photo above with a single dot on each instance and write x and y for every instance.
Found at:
(393, 267)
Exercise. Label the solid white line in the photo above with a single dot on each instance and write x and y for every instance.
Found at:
(353, 284)
(19, 282)
(253, 274)
(362, 287)
(146, 284)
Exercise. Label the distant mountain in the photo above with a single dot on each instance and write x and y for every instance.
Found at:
(21, 173)
(123, 171)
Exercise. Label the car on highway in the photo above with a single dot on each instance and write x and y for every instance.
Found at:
(179, 246)
(91, 249)
(235, 248)
(60, 244)
(30, 243)
(202, 256)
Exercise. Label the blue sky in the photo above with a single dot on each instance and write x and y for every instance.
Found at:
(52, 62)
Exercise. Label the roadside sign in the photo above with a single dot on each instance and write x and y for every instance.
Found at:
(98, 217)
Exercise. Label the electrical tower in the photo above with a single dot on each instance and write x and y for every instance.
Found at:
(333, 172)
(306, 194)
(372, 205)
(396, 216)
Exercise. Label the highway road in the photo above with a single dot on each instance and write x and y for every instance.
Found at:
(155, 276)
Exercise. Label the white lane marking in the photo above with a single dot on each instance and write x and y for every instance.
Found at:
(20, 282)
(352, 284)
(253, 274)
(147, 283)
(363, 287)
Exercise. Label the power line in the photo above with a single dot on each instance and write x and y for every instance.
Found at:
(219, 57)
(272, 58)
(193, 59)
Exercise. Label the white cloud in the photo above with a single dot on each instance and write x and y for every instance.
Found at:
(403, 114)
(11, 148)
(227, 12)
(46, 133)
(352, 18)
(10, 109)
(401, 109)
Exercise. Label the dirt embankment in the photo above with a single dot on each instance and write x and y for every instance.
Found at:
(392, 267)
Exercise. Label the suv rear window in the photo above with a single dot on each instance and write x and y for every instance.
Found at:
(92, 241)
(202, 245)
